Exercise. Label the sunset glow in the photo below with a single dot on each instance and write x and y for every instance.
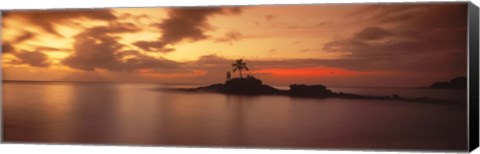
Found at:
(338, 76)
(311, 43)
(315, 72)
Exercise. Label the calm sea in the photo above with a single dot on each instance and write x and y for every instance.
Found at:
(140, 114)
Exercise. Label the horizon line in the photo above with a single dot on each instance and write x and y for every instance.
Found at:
(199, 84)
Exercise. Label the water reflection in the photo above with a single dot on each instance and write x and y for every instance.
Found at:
(43, 110)
(93, 116)
(236, 107)
(135, 114)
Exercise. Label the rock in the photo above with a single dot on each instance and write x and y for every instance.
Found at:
(309, 91)
(395, 96)
(457, 83)
(243, 86)
(254, 86)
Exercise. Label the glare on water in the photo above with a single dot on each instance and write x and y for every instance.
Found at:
(101, 113)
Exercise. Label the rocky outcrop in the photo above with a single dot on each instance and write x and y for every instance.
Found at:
(254, 86)
(457, 83)
(242, 86)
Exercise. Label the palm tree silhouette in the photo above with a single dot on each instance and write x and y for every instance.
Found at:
(239, 65)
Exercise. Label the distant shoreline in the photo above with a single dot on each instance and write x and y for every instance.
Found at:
(251, 86)
(197, 85)
(325, 93)
(101, 82)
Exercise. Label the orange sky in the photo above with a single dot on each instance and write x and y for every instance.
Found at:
(345, 45)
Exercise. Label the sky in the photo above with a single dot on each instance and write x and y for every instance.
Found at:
(369, 45)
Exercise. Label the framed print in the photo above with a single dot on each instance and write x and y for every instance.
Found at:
(378, 76)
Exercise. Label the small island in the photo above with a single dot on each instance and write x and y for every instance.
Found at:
(457, 83)
(253, 86)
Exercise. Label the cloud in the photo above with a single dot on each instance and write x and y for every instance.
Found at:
(210, 69)
(96, 49)
(386, 12)
(7, 47)
(152, 46)
(112, 28)
(32, 58)
(212, 60)
(47, 19)
(269, 17)
(214, 68)
(184, 24)
(25, 36)
(215, 62)
(230, 37)
(372, 33)
(46, 49)
(433, 38)
(394, 13)
(141, 61)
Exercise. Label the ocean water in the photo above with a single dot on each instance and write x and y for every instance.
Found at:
(140, 114)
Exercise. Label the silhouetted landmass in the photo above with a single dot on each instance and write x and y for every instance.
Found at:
(254, 86)
(243, 86)
(457, 83)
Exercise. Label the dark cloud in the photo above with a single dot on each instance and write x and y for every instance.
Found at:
(387, 12)
(372, 33)
(139, 19)
(212, 59)
(96, 49)
(151, 45)
(184, 24)
(36, 58)
(141, 61)
(46, 19)
(269, 17)
(112, 28)
(46, 49)
(25, 36)
(32, 58)
(393, 13)
(432, 38)
(166, 50)
(7, 47)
